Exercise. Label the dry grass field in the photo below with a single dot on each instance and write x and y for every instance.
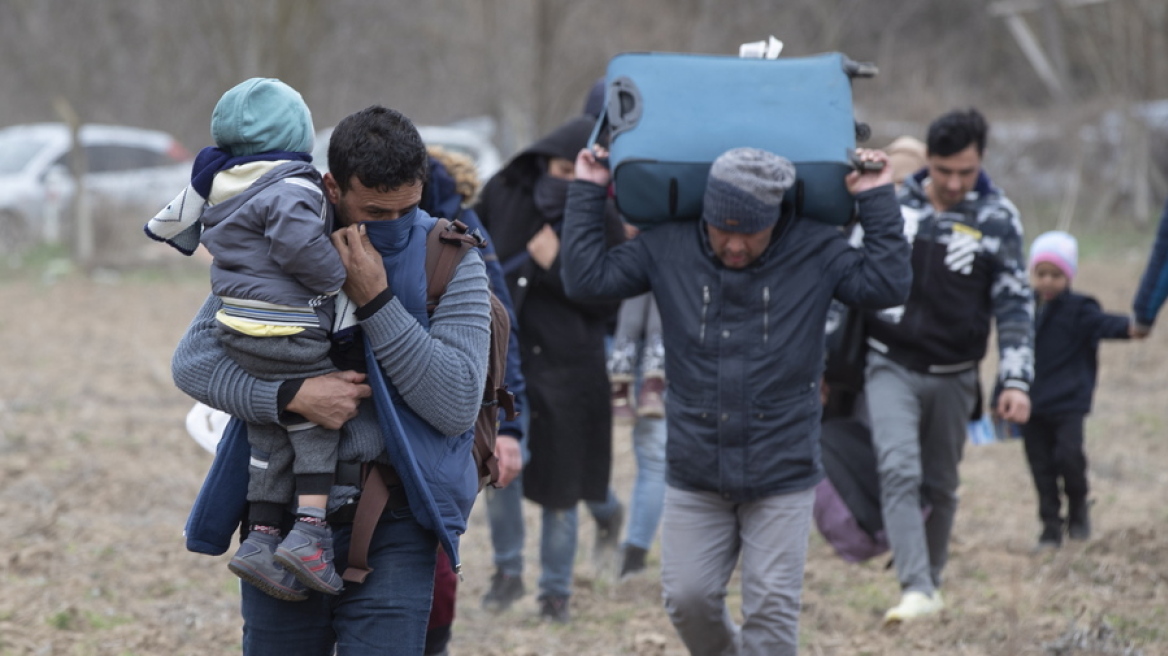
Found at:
(97, 474)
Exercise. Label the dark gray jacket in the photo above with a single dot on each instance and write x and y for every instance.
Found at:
(271, 241)
(746, 346)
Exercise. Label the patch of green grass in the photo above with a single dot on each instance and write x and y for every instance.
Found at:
(867, 596)
(1149, 422)
(231, 585)
(617, 615)
(980, 575)
(37, 262)
(70, 619)
(109, 620)
(164, 589)
(65, 620)
(1131, 629)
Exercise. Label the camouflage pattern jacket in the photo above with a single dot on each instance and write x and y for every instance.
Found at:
(968, 266)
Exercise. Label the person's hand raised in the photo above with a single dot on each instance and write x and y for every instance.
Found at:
(366, 270)
(863, 180)
(590, 168)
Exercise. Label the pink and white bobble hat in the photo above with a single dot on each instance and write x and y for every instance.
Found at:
(1059, 248)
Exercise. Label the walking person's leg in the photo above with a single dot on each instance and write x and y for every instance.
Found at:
(439, 628)
(609, 516)
(1071, 463)
(651, 396)
(648, 497)
(389, 612)
(274, 627)
(895, 411)
(557, 556)
(949, 403)
(1038, 438)
(775, 531)
(505, 516)
(699, 548)
(508, 532)
(630, 326)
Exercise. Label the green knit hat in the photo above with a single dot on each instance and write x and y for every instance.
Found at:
(261, 115)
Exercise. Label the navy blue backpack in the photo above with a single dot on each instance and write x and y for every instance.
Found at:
(668, 116)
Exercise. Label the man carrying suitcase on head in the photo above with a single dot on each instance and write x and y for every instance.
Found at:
(744, 293)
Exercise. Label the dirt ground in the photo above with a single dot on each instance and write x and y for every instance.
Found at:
(97, 475)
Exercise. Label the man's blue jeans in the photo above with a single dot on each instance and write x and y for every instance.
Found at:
(557, 537)
(505, 514)
(557, 549)
(387, 614)
(649, 488)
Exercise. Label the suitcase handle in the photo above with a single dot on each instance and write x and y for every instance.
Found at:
(855, 69)
(622, 110)
(863, 165)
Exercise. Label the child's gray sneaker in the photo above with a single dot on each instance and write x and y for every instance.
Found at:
(254, 562)
(307, 552)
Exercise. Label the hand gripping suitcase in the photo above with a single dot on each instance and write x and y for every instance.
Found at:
(667, 116)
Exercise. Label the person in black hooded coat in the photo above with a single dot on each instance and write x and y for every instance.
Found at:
(562, 350)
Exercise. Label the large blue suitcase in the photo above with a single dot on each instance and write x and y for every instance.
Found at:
(669, 115)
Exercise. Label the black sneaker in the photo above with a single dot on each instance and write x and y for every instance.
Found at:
(554, 608)
(633, 561)
(505, 590)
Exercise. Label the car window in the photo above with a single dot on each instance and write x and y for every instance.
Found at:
(107, 158)
(16, 152)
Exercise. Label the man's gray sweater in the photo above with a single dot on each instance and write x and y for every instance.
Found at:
(439, 373)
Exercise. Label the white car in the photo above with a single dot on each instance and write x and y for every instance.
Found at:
(130, 170)
(459, 138)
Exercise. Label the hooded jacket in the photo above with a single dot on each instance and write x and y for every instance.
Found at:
(270, 239)
(746, 345)
(561, 340)
(968, 267)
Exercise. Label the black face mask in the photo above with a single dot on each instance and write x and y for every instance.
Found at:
(550, 195)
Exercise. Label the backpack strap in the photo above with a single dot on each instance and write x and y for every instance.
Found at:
(375, 496)
(446, 243)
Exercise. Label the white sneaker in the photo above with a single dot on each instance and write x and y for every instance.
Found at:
(913, 605)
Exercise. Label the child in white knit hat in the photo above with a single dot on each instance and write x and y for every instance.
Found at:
(1067, 330)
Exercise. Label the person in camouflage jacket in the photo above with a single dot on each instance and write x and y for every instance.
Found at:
(921, 378)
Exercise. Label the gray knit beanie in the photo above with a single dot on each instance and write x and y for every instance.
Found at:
(745, 190)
